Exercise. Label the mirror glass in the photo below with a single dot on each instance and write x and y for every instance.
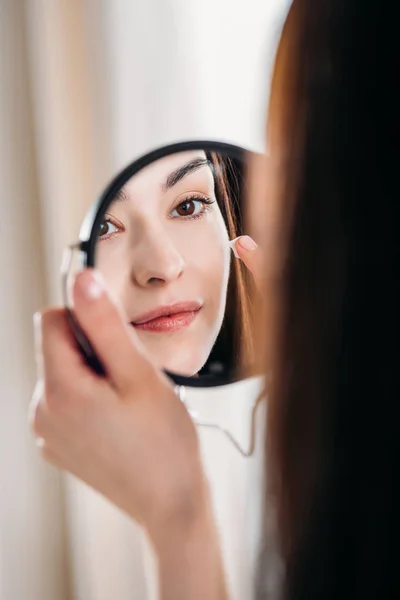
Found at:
(160, 235)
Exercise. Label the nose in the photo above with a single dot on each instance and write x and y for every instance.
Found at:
(156, 260)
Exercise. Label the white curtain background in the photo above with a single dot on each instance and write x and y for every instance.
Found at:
(85, 87)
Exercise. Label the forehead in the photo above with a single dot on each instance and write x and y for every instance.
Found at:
(154, 176)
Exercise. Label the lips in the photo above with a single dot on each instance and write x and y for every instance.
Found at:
(167, 319)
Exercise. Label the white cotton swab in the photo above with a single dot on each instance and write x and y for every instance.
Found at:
(232, 244)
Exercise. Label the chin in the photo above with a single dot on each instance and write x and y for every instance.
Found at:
(186, 370)
(186, 365)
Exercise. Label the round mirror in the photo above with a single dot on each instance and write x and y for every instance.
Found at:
(161, 235)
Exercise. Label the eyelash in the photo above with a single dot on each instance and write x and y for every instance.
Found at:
(118, 225)
(207, 202)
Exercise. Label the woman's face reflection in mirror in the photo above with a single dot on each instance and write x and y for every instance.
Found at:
(163, 251)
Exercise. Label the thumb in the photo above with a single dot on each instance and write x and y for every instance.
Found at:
(251, 254)
(113, 340)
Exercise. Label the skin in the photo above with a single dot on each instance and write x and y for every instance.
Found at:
(128, 435)
(162, 246)
(109, 431)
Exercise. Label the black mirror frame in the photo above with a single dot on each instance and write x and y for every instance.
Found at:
(92, 221)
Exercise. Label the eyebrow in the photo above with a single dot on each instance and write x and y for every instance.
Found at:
(174, 177)
(185, 170)
(120, 196)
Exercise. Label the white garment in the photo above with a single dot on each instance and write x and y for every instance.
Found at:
(105, 537)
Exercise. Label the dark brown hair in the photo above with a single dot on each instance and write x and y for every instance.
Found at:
(332, 443)
(235, 337)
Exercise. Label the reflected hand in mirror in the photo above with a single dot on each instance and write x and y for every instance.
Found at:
(161, 236)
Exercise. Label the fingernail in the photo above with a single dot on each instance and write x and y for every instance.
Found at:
(91, 284)
(247, 242)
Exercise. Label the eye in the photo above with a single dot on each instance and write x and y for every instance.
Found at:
(107, 228)
(191, 207)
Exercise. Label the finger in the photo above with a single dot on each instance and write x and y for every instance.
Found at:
(57, 352)
(49, 454)
(63, 370)
(41, 416)
(113, 340)
(251, 255)
(41, 421)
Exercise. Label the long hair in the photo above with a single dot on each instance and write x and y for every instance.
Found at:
(234, 344)
(332, 440)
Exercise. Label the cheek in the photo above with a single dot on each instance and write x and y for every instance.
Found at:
(111, 261)
(216, 263)
(207, 257)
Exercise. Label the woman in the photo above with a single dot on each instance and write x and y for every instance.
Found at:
(333, 451)
(331, 290)
(164, 254)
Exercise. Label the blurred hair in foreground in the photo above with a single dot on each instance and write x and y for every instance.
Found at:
(333, 435)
